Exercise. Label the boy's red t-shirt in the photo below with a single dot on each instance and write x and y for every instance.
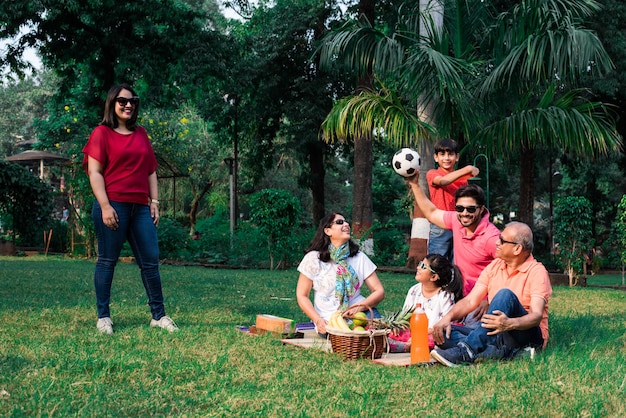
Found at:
(128, 161)
(443, 196)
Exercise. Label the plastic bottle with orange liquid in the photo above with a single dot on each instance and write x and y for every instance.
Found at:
(420, 353)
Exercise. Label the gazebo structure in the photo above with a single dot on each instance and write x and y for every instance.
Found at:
(36, 158)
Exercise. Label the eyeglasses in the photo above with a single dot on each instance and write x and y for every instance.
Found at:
(340, 221)
(503, 241)
(423, 266)
(123, 101)
(469, 209)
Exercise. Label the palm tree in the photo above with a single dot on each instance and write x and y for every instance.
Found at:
(405, 105)
(539, 53)
(504, 80)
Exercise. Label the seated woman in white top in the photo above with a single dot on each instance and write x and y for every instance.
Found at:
(335, 269)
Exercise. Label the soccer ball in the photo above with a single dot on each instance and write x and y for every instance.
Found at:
(406, 162)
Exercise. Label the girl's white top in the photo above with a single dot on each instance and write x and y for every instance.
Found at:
(435, 307)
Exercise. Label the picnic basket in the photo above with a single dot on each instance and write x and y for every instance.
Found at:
(353, 345)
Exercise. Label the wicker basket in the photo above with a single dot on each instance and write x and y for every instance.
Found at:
(358, 344)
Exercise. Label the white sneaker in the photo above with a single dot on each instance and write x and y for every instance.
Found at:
(105, 325)
(165, 322)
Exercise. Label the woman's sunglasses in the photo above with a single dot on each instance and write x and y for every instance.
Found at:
(123, 101)
(340, 221)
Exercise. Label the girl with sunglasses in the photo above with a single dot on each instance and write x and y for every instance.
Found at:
(335, 268)
(439, 286)
(121, 166)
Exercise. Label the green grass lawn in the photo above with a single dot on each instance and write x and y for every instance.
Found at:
(54, 363)
(610, 279)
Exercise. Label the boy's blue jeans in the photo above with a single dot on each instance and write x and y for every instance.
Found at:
(440, 242)
(136, 226)
(477, 339)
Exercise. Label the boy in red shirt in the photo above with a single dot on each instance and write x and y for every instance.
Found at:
(442, 183)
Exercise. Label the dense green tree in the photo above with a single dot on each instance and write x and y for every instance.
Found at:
(24, 101)
(272, 210)
(105, 41)
(572, 233)
(281, 93)
(26, 203)
(92, 45)
(610, 24)
(187, 148)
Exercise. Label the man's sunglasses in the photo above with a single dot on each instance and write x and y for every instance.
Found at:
(123, 101)
(469, 209)
(503, 241)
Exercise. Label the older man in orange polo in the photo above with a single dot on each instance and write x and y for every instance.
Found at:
(518, 288)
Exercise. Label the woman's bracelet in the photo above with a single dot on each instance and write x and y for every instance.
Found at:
(156, 202)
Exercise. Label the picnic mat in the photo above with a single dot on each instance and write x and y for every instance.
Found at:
(306, 337)
(312, 340)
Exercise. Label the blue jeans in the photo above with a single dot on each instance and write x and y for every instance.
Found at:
(477, 339)
(135, 225)
(440, 242)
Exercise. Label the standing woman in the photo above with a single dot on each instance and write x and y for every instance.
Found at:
(121, 166)
(335, 269)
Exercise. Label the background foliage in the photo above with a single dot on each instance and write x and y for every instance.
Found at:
(184, 57)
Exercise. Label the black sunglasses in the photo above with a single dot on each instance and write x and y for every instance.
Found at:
(340, 221)
(503, 241)
(469, 209)
(123, 101)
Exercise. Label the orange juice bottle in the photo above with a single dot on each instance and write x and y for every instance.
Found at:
(419, 336)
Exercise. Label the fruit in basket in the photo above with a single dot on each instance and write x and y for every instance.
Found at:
(394, 321)
(359, 319)
(337, 321)
(358, 328)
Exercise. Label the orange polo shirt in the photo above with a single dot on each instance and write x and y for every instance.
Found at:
(530, 279)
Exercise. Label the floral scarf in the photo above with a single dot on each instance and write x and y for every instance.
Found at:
(347, 282)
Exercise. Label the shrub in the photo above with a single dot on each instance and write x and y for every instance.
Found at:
(391, 244)
(173, 240)
(27, 200)
(572, 233)
(276, 213)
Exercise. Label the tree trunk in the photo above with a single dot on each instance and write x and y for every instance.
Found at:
(420, 227)
(526, 185)
(317, 174)
(362, 209)
(193, 211)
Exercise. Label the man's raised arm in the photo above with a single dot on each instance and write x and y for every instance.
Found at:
(428, 208)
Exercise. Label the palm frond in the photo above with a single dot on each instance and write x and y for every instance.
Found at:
(542, 40)
(571, 122)
(360, 47)
(371, 114)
